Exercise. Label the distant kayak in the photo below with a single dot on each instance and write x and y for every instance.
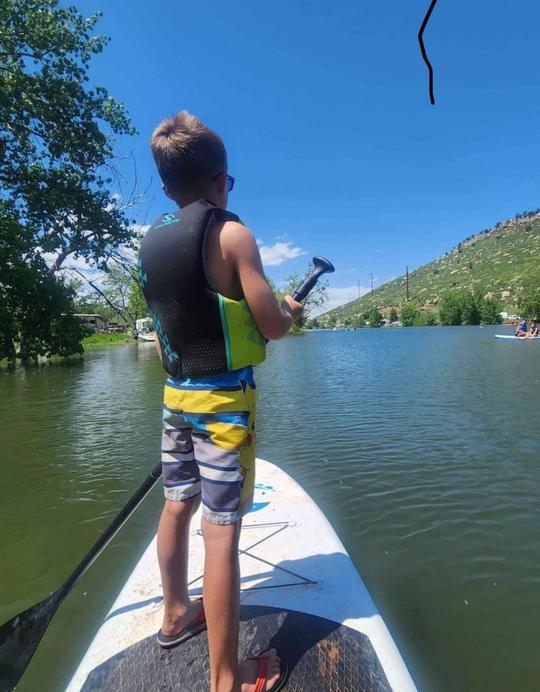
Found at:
(517, 338)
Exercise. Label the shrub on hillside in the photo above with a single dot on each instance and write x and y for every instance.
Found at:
(375, 318)
(465, 307)
(409, 313)
(490, 311)
(529, 302)
(425, 319)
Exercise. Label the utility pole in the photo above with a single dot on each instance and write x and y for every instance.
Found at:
(358, 282)
(371, 276)
(407, 281)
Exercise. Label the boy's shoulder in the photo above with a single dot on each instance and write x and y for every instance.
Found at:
(236, 238)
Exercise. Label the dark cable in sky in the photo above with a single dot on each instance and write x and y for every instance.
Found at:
(423, 50)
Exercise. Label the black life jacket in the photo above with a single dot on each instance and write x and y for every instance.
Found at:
(200, 331)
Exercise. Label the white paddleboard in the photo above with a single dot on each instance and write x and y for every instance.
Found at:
(300, 592)
(517, 338)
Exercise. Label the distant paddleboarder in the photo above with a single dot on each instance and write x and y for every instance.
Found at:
(202, 278)
(521, 329)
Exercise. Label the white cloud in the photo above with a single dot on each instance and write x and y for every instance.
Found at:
(340, 296)
(278, 253)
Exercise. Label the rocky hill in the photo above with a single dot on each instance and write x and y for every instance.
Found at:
(497, 261)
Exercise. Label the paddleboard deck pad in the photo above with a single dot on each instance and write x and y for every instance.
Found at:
(320, 654)
(300, 593)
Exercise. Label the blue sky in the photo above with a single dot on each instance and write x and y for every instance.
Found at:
(325, 113)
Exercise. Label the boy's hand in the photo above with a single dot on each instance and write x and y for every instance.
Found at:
(294, 308)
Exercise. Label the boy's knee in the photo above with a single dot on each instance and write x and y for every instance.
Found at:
(224, 533)
(182, 508)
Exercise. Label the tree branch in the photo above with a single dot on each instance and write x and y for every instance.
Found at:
(98, 290)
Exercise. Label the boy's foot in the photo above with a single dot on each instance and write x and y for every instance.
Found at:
(176, 630)
(262, 673)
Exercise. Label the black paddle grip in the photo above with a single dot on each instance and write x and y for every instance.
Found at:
(322, 266)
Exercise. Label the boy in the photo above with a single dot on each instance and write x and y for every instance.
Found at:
(202, 278)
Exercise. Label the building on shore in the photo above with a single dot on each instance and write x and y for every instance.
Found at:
(94, 322)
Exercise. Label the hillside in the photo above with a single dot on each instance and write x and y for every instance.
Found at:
(498, 261)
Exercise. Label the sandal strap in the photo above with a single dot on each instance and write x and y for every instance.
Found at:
(260, 685)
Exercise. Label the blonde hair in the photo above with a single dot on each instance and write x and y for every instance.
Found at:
(187, 153)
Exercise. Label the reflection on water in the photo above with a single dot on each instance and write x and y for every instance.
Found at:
(419, 445)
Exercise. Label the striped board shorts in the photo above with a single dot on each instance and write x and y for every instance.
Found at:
(208, 443)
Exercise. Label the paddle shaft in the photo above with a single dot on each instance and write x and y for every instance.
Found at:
(20, 636)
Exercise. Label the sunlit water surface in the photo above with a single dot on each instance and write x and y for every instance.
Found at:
(421, 446)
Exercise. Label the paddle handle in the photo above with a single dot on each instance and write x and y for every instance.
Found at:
(111, 531)
(322, 266)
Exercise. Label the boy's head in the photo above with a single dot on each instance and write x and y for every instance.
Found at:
(191, 160)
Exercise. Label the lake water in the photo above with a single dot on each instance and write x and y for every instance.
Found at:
(421, 446)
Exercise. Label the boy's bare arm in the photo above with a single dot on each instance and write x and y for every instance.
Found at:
(273, 320)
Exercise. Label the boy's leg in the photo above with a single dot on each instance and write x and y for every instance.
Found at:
(226, 456)
(222, 603)
(182, 487)
(222, 609)
(172, 549)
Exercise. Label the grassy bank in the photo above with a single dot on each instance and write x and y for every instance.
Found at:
(106, 339)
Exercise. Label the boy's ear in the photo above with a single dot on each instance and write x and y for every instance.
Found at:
(221, 181)
(166, 191)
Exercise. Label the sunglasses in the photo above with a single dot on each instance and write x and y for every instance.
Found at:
(230, 181)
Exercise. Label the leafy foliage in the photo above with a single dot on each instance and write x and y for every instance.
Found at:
(409, 313)
(56, 141)
(315, 298)
(35, 306)
(374, 318)
(465, 307)
(529, 302)
(412, 316)
(490, 311)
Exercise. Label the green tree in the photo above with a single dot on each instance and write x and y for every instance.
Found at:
(35, 307)
(409, 313)
(529, 302)
(490, 311)
(393, 317)
(136, 303)
(374, 317)
(461, 306)
(471, 306)
(425, 319)
(451, 310)
(56, 153)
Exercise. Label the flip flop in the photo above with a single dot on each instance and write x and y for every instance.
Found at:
(260, 685)
(167, 641)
